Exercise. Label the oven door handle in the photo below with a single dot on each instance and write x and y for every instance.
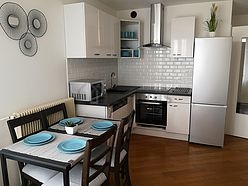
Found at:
(150, 103)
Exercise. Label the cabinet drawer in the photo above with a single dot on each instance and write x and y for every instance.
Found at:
(179, 99)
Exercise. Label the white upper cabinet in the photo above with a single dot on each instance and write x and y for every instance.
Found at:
(90, 32)
(182, 36)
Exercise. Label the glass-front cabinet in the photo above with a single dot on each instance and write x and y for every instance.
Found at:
(130, 38)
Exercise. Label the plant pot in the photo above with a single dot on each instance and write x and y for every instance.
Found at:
(211, 34)
(71, 130)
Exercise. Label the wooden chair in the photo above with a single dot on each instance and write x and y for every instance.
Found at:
(119, 163)
(89, 173)
(19, 129)
(54, 114)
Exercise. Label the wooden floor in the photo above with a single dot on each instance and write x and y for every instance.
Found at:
(166, 162)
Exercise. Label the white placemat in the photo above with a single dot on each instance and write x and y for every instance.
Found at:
(49, 151)
(85, 127)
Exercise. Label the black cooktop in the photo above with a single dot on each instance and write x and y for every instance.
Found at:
(180, 90)
(165, 90)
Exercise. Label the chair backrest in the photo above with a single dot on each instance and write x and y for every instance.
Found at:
(54, 114)
(27, 125)
(123, 136)
(94, 152)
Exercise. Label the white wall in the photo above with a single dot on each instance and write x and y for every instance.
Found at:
(202, 13)
(157, 67)
(237, 124)
(200, 10)
(27, 81)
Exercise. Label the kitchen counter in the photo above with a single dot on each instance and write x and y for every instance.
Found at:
(111, 97)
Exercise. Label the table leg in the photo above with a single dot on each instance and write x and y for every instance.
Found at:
(66, 178)
(4, 170)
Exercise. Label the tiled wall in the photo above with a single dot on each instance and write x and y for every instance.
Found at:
(156, 68)
(92, 69)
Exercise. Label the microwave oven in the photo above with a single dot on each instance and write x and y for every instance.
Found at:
(87, 89)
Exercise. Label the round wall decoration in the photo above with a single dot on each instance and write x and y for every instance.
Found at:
(13, 20)
(28, 44)
(37, 23)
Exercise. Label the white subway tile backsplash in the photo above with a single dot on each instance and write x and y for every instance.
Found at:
(156, 67)
(92, 69)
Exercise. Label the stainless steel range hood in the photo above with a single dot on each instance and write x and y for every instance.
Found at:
(156, 26)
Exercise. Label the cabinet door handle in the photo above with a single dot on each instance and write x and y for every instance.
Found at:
(108, 54)
(180, 98)
(114, 54)
(97, 54)
(177, 54)
(175, 106)
(150, 103)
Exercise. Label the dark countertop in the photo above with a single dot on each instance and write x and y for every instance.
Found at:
(111, 97)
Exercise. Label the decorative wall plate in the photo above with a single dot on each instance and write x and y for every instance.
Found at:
(37, 23)
(13, 20)
(28, 44)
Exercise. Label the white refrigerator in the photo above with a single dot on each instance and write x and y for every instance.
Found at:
(212, 59)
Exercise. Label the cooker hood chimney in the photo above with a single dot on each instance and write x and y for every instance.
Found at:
(156, 26)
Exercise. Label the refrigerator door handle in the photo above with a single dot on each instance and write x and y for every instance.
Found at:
(204, 105)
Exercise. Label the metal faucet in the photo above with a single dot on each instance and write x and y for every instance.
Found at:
(112, 77)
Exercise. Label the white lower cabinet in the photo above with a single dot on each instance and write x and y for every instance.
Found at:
(92, 111)
(178, 114)
(106, 112)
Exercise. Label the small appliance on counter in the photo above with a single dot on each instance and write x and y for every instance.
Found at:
(87, 89)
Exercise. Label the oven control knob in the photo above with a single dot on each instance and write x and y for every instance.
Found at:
(150, 96)
(155, 97)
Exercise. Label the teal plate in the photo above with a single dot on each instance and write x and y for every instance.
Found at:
(26, 142)
(97, 129)
(102, 125)
(38, 138)
(72, 145)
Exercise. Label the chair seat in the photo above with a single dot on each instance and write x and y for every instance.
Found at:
(75, 178)
(39, 173)
(122, 156)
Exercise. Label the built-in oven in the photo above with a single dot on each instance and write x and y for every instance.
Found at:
(151, 110)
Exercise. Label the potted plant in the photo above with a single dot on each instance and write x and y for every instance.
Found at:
(70, 127)
(213, 22)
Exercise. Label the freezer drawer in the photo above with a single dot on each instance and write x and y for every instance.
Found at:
(207, 124)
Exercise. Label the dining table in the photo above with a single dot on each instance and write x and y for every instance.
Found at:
(48, 155)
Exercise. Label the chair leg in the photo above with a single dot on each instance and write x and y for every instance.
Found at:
(24, 181)
(128, 179)
(117, 178)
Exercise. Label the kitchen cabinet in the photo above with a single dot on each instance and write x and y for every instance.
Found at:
(178, 114)
(90, 32)
(130, 38)
(116, 111)
(182, 36)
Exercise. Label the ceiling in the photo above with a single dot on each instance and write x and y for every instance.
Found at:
(239, 7)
